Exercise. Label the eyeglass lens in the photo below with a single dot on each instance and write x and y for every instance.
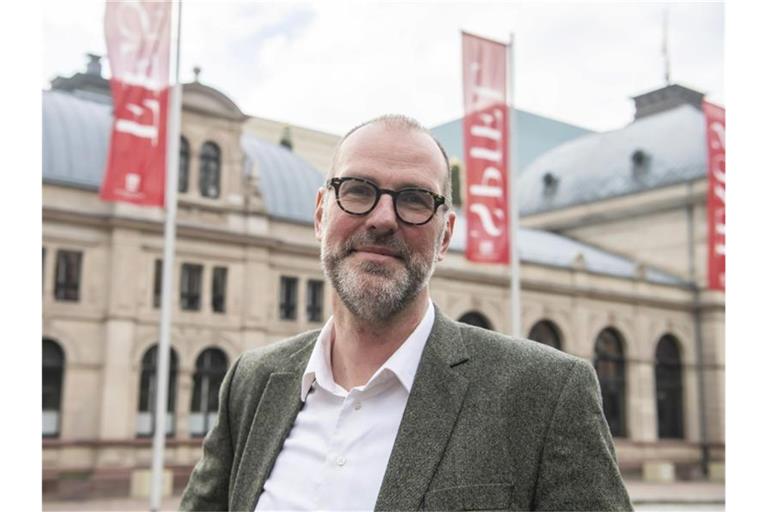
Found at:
(412, 205)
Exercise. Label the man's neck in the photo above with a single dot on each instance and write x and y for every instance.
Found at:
(360, 347)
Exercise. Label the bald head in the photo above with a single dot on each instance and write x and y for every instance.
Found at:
(405, 124)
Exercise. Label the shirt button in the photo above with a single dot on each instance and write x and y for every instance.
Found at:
(340, 461)
(357, 406)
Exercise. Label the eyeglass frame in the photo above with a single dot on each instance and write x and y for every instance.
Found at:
(335, 183)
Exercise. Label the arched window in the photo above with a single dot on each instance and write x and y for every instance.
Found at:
(145, 421)
(476, 319)
(669, 388)
(210, 169)
(183, 164)
(209, 372)
(53, 377)
(546, 332)
(609, 364)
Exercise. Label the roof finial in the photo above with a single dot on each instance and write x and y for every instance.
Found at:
(286, 141)
(196, 70)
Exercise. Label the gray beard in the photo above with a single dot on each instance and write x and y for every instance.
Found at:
(372, 291)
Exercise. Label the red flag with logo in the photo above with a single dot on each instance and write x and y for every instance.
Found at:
(715, 123)
(138, 45)
(486, 149)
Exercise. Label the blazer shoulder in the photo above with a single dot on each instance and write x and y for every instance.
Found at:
(507, 355)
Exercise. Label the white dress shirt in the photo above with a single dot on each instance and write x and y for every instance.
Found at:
(337, 451)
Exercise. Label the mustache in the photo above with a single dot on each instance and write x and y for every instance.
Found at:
(385, 240)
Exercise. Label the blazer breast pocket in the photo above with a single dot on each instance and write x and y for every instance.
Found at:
(470, 497)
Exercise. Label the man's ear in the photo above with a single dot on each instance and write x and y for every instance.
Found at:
(447, 235)
(319, 212)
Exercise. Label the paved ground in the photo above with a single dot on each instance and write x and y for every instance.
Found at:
(647, 497)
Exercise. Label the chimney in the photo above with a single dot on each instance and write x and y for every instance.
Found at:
(666, 98)
(94, 64)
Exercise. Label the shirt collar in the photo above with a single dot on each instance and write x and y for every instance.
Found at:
(403, 363)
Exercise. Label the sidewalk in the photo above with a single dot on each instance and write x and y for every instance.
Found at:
(642, 493)
(676, 492)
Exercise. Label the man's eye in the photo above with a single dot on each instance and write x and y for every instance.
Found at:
(415, 198)
(359, 190)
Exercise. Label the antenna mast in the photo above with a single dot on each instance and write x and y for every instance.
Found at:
(665, 44)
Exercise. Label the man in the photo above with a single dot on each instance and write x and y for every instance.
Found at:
(392, 405)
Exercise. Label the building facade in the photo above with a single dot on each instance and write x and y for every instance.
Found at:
(247, 273)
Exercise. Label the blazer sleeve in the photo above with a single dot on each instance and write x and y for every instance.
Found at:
(208, 485)
(578, 468)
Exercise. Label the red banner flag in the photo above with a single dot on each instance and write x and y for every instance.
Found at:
(138, 45)
(486, 149)
(715, 123)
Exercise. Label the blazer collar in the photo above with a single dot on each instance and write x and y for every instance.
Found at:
(432, 409)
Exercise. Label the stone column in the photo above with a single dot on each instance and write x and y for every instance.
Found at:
(183, 402)
(641, 401)
(119, 381)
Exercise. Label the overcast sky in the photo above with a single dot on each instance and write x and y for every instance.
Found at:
(330, 65)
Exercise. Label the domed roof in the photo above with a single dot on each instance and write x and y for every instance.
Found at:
(288, 183)
(75, 139)
(654, 151)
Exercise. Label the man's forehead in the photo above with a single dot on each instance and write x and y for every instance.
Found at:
(398, 144)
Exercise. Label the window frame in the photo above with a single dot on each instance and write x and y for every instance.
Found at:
(219, 277)
(315, 303)
(157, 284)
(477, 319)
(190, 299)
(610, 365)
(669, 396)
(549, 333)
(288, 299)
(206, 383)
(147, 391)
(210, 170)
(53, 370)
(184, 161)
(68, 275)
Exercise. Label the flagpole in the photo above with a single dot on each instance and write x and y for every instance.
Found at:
(514, 281)
(169, 243)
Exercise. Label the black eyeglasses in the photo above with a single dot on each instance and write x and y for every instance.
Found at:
(414, 206)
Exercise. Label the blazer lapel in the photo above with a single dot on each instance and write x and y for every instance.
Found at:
(277, 410)
(433, 407)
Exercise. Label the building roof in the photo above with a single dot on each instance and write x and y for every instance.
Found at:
(288, 183)
(547, 248)
(654, 151)
(75, 143)
(75, 139)
(535, 135)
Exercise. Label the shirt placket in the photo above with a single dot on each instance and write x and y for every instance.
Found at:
(331, 477)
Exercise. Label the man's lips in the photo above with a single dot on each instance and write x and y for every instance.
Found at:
(381, 251)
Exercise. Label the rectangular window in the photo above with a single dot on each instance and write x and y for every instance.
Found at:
(315, 300)
(288, 287)
(191, 286)
(219, 295)
(157, 285)
(68, 270)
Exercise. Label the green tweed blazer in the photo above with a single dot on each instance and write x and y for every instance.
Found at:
(492, 423)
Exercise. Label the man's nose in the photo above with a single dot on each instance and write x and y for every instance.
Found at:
(383, 216)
